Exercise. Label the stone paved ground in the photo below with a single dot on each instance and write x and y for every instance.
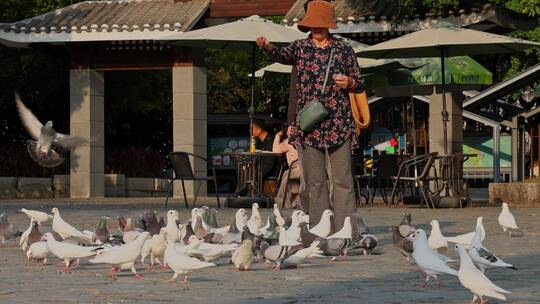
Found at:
(362, 279)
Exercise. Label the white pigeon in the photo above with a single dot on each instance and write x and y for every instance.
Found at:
(173, 233)
(294, 231)
(40, 216)
(300, 256)
(254, 224)
(428, 260)
(210, 252)
(194, 214)
(122, 257)
(285, 239)
(345, 232)
(255, 210)
(63, 228)
(324, 227)
(155, 247)
(38, 251)
(182, 264)
(241, 219)
(279, 219)
(23, 240)
(482, 257)
(507, 219)
(466, 239)
(67, 251)
(45, 138)
(130, 234)
(473, 279)
(436, 239)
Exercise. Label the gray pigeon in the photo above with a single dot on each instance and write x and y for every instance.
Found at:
(405, 227)
(367, 243)
(189, 232)
(212, 220)
(404, 245)
(151, 221)
(7, 231)
(334, 247)
(42, 148)
(306, 236)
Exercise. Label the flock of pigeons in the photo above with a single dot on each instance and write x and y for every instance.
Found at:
(199, 243)
(474, 257)
(185, 247)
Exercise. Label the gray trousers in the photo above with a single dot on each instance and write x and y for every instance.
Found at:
(315, 164)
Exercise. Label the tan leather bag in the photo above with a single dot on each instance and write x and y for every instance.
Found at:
(360, 111)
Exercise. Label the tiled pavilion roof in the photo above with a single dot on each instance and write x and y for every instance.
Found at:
(107, 20)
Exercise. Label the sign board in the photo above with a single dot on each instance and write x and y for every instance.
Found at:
(219, 145)
(483, 147)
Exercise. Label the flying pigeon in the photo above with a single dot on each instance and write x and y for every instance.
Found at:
(427, 259)
(436, 239)
(182, 264)
(482, 257)
(42, 148)
(40, 216)
(473, 279)
(507, 219)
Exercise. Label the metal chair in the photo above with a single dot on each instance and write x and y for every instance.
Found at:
(416, 172)
(183, 171)
(360, 175)
(385, 167)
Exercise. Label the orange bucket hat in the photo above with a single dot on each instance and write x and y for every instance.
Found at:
(319, 14)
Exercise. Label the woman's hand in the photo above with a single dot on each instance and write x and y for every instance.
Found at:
(263, 43)
(342, 81)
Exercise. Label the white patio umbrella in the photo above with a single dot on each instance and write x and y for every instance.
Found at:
(367, 65)
(240, 35)
(444, 40)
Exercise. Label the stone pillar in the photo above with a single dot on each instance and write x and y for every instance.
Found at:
(455, 123)
(515, 150)
(87, 121)
(189, 119)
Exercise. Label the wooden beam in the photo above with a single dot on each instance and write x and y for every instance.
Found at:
(126, 56)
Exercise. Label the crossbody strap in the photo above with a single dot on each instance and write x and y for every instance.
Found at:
(328, 69)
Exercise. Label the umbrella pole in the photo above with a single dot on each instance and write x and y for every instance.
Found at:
(251, 108)
(444, 112)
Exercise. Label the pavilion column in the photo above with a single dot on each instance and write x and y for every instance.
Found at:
(455, 125)
(87, 121)
(189, 119)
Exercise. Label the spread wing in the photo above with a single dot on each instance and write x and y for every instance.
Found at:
(67, 141)
(29, 120)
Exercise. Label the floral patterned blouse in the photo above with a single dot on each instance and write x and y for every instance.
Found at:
(311, 62)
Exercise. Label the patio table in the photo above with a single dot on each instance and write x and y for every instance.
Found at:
(249, 179)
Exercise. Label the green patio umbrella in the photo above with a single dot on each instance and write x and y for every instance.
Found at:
(445, 40)
(461, 73)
